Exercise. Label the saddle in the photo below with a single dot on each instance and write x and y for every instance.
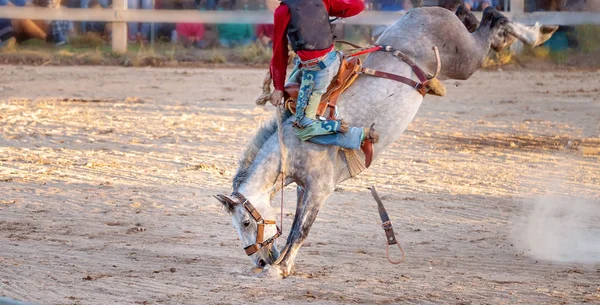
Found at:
(347, 74)
(350, 68)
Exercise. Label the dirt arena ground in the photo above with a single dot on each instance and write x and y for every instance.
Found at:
(107, 176)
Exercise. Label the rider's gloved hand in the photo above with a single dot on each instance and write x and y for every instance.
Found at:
(276, 97)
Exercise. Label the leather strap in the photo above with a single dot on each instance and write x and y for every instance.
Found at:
(385, 219)
(399, 78)
(252, 249)
(387, 227)
(250, 208)
(348, 43)
(313, 62)
(418, 72)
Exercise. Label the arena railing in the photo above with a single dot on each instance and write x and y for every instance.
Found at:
(118, 15)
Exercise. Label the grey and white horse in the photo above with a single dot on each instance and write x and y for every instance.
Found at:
(316, 169)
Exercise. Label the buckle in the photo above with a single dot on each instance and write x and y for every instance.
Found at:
(368, 71)
(387, 225)
(386, 48)
(421, 89)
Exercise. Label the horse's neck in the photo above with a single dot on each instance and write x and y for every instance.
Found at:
(258, 181)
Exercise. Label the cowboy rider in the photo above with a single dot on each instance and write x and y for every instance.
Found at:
(305, 25)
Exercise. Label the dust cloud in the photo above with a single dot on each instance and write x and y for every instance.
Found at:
(560, 229)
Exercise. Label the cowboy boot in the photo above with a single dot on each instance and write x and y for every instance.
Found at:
(367, 145)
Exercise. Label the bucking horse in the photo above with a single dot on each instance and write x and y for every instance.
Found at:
(385, 101)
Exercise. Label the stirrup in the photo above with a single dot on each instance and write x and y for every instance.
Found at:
(368, 146)
(372, 134)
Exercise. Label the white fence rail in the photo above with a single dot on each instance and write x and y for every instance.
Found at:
(119, 15)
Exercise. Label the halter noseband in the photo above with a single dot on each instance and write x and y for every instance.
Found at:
(260, 231)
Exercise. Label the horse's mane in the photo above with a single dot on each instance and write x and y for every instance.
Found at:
(262, 135)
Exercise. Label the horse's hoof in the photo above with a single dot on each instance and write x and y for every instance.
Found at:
(255, 270)
(271, 272)
(286, 270)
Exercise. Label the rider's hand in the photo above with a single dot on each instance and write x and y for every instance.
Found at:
(276, 97)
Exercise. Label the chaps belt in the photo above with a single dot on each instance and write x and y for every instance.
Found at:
(312, 62)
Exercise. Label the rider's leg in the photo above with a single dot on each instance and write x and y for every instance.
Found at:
(296, 75)
(315, 81)
(350, 140)
(327, 132)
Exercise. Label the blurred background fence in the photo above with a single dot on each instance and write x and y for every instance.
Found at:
(202, 24)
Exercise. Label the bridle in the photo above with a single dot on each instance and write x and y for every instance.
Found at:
(260, 222)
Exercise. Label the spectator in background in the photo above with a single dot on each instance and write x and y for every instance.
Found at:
(135, 31)
(211, 4)
(480, 5)
(207, 4)
(90, 4)
(266, 31)
(233, 35)
(390, 5)
(98, 27)
(8, 38)
(166, 31)
(55, 31)
(484, 4)
(7, 35)
(59, 30)
(191, 34)
(468, 4)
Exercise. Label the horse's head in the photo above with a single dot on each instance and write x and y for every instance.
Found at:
(257, 230)
(504, 32)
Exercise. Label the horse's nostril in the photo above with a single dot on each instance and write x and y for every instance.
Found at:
(262, 263)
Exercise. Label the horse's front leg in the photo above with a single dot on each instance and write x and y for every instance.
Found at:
(306, 213)
(299, 196)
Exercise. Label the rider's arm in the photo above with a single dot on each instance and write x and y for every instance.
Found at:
(345, 8)
(280, 47)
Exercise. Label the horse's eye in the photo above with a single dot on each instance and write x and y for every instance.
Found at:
(246, 223)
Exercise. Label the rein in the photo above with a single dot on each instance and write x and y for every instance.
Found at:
(283, 151)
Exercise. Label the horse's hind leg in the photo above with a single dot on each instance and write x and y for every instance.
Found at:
(467, 18)
(313, 198)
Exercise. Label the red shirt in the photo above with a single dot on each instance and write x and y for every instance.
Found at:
(190, 30)
(265, 30)
(336, 8)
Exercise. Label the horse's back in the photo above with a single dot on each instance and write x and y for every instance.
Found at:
(422, 26)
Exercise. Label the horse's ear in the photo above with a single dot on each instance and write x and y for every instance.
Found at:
(227, 202)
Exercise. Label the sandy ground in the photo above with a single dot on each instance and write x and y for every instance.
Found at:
(106, 178)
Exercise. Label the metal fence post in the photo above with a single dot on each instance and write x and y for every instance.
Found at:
(119, 29)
